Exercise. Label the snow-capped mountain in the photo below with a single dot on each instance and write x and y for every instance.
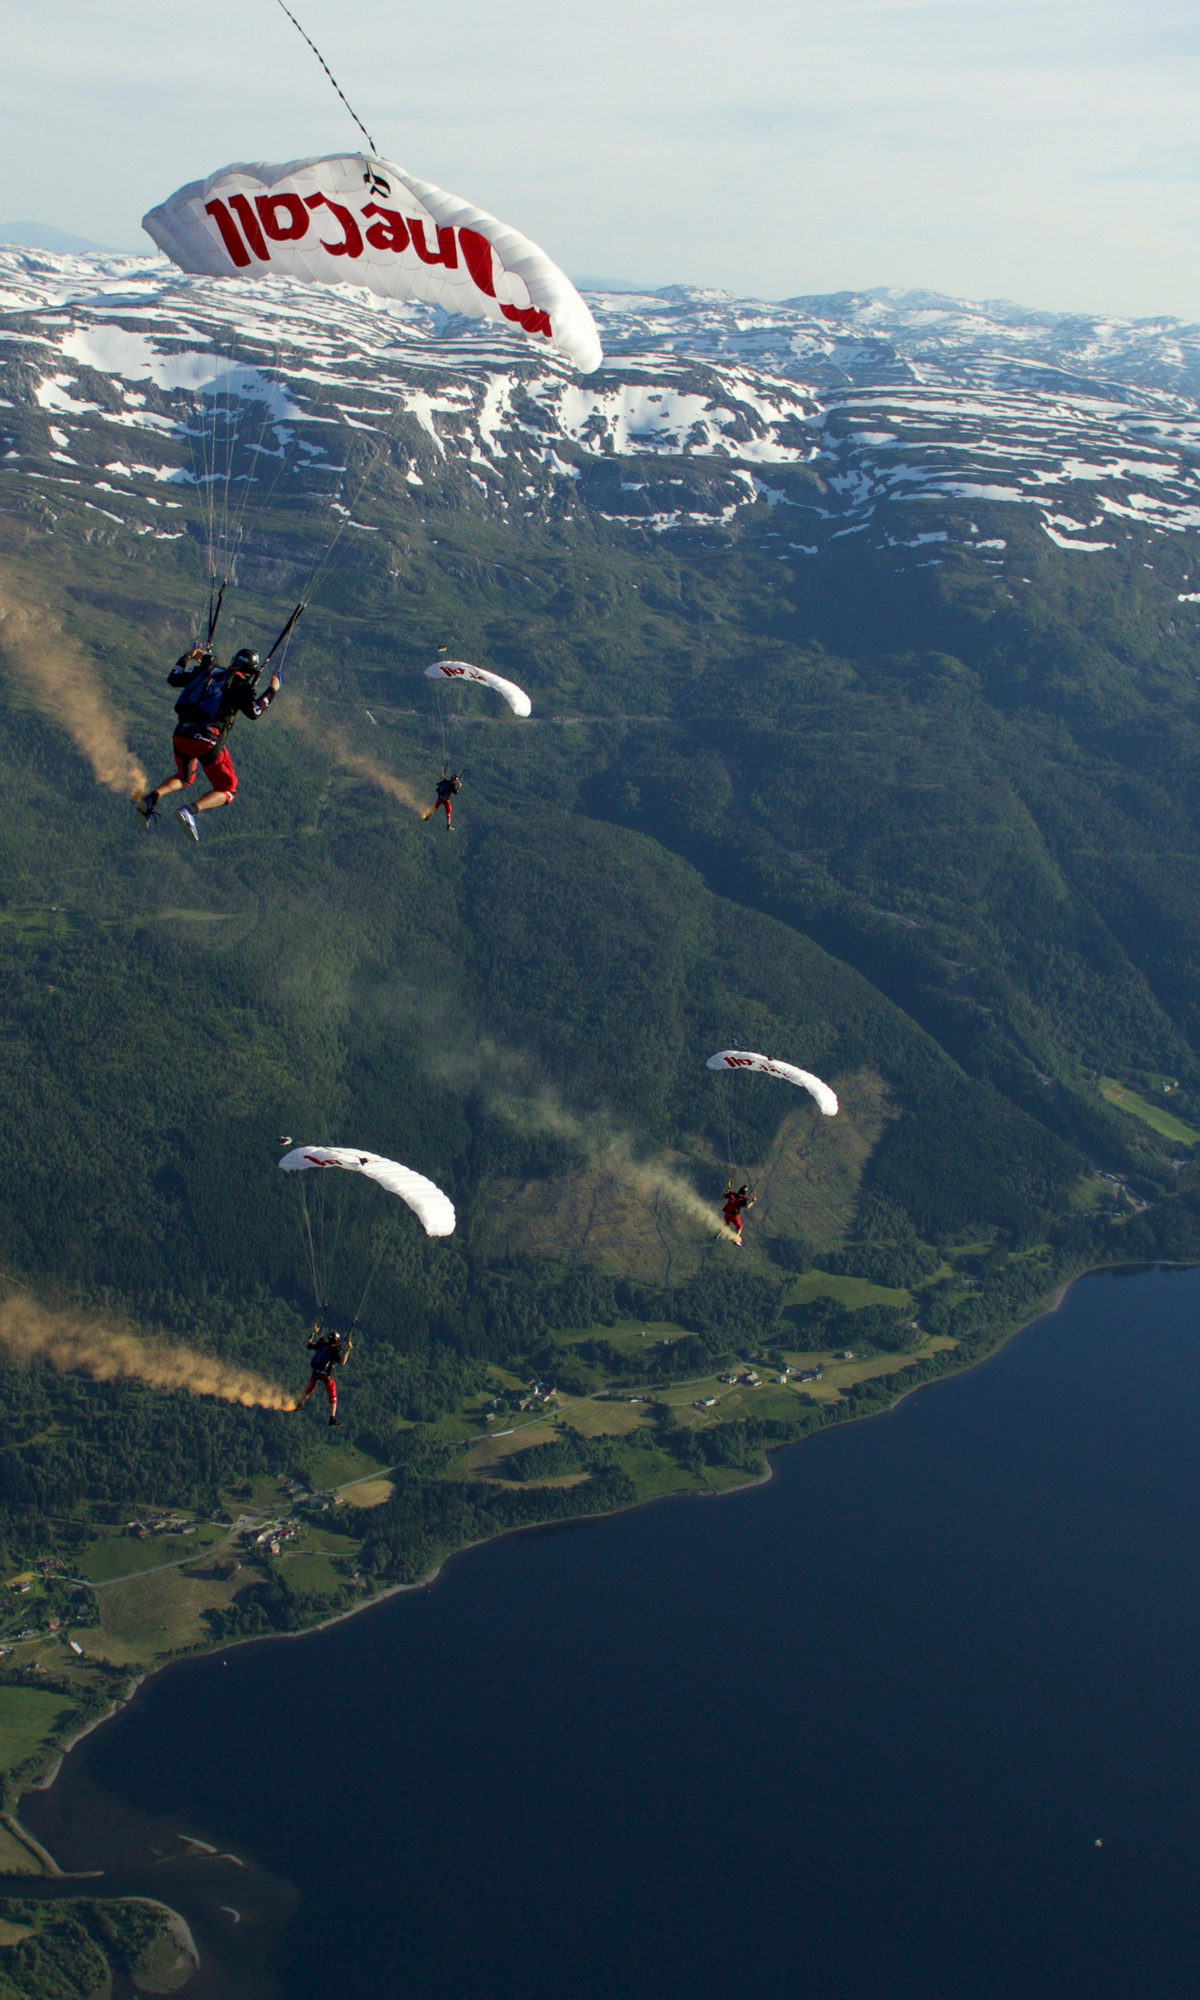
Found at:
(894, 415)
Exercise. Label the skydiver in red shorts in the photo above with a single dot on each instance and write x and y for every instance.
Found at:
(213, 697)
(736, 1199)
(447, 791)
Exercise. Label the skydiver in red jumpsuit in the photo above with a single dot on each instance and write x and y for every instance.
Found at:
(447, 790)
(736, 1199)
(329, 1351)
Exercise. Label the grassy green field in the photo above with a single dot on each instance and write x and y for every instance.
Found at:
(368, 1493)
(113, 1556)
(146, 1619)
(15, 1857)
(26, 1717)
(849, 1292)
(328, 1541)
(339, 1465)
(628, 1336)
(311, 1570)
(1155, 1115)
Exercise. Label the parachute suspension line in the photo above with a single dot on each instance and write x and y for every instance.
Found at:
(210, 421)
(369, 1281)
(197, 437)
(285, 635)
(307, 1238)
(441, 715)
(287, 642)
(724, 1108)
(323, 561)
(256, 452)
(339, 1210)
(322, 1257)
(332, 78)
(202, 447)
(214, 610)
(229, 441)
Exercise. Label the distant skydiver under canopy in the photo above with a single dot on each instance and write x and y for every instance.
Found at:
(212, 698)
(448, 789)
(746, 1062)
(336, 1168)
(330, 1350)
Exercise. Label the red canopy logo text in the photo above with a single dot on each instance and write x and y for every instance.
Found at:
(248, 228)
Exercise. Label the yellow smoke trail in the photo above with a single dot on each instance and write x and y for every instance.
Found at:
(609, 1152)
(333, 742)
(112, 1353)
(64, 684)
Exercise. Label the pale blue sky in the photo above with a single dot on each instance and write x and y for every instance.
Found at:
(1042, 150)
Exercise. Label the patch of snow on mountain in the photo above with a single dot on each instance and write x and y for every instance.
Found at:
(840, 407)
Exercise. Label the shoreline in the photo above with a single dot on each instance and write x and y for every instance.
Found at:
(368, 1602)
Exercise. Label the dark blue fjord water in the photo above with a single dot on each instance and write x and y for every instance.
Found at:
(854, 1735)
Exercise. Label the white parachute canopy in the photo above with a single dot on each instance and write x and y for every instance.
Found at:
(352, 219)
(462, 670)
(728, 1059)
(433, 1209)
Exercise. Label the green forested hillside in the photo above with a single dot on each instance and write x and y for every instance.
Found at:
(932, 836)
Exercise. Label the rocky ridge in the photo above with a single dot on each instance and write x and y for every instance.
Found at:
(891, 415)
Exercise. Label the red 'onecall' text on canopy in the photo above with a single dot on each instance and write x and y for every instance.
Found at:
(249, 228)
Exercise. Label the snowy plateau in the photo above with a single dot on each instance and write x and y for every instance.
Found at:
(895, 416)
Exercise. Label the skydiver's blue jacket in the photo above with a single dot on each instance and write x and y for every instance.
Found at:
(328, 1353)
(211, 699)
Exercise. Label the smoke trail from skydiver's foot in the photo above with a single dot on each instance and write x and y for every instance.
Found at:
(333, 742)
(504, 1082)
(608, 1152)
(65, 686)
(110, 1352)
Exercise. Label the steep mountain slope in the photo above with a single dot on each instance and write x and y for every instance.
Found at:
(862, 645)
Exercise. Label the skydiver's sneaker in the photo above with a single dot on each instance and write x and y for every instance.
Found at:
(333, 1421)
(187, 821)
(146, 806)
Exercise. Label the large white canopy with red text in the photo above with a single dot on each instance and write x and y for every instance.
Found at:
(462, 670)
(352, 219)
(434, 1210)
(746, 1059)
